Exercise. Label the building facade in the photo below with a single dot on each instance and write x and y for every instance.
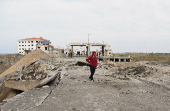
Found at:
(27, 45)
(45, 46)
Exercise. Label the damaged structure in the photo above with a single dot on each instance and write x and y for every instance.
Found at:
(116, 58)
(104, 55)
(25, 46)
(45, 46)
(106, 51)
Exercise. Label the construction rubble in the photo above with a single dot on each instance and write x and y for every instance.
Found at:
(54, 83)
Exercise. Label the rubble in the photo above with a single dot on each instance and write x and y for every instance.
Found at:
(113, 85)
(26, 60)
(58, 78)
(36, 74)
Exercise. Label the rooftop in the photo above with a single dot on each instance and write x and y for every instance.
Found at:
(33, 39)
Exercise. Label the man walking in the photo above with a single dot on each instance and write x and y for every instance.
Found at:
(93, 64)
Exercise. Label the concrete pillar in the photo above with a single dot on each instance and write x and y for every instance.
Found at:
(102, 50)
(105, 52)
(72, 51)
(71, 48)
(88, 50)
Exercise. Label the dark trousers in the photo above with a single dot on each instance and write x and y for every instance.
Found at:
(92, 70)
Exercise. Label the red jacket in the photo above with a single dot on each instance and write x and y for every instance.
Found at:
(92, 60)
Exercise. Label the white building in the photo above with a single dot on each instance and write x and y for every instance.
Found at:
(27, 45)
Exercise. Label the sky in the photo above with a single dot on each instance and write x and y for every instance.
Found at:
(126, 25)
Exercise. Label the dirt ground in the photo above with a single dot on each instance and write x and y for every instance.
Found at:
(6, 61)
(76, 92)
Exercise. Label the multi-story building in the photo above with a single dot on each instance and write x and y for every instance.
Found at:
(27, 45)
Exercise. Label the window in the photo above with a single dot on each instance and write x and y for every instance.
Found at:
(25, 45)
(22, 45)
(45, 48)
(19, 42)
(32, 48)
(31, 41)
(28, 48)
(22, 41)
(28, 41)
(19, 52)
(28, 45)
(36, 41)
(19, 45)
(32, 45)
(25, 48)
(25, 41)
(22, 48)
(19, 48)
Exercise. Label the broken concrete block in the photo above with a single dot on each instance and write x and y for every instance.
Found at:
(51, 76)
(23, 85)
(81, 63)
(20, 68)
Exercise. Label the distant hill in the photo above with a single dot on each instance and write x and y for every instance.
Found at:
(7, 60)
(5, 53)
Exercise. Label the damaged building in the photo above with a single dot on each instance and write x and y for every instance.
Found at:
(105, 51)
(27, 45)
(45, 46)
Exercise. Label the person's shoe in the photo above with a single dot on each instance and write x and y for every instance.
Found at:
(92, 80)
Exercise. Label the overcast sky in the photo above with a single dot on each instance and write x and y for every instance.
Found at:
(126, 25)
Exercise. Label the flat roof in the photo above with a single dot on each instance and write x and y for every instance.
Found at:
(33, 39)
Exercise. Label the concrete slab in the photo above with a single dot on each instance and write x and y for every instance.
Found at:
(26, 100)
(23, 85)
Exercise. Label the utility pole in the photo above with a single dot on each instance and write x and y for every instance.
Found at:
(88, 38)
(88, 47)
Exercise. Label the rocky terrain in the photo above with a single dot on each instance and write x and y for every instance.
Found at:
(62, 84)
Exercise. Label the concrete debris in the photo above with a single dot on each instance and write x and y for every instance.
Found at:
(50, 77)
(54, 79)
(80, 63)
(20, 68)
(36, 74)
(46, 86)
(26, 60)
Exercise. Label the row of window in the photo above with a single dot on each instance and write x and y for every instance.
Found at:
(25, 48)
(28, 41)
(26, 45)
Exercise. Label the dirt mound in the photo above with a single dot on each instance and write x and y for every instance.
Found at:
(6, 61)
(26, 60)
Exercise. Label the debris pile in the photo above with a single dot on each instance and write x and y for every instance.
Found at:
(141, 69)
(25, 78)
(31, 72)
(136, 70)
(31, 57)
